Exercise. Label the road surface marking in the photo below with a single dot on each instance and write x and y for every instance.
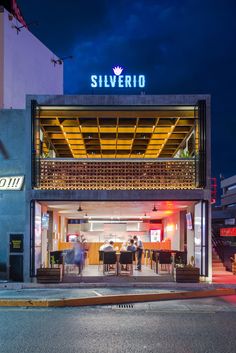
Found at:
(98, 294)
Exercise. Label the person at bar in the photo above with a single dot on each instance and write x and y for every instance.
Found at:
(131, 246)
(104, 245)
(123, 246)
(139, 252)
(109, 246)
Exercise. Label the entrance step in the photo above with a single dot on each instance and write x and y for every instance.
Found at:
(223, 273)
(218, 267)
(117, 279)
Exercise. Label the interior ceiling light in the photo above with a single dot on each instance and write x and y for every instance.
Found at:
(79, 209)
(113, 221)
(154, 209)
(116, 217)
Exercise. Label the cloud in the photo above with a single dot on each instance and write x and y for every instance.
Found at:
(185, 46)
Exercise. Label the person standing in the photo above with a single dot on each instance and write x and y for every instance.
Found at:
(79, 257)
(139, 252)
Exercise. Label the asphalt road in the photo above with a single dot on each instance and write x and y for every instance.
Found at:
(190, 326)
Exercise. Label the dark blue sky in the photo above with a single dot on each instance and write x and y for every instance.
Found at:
(183, 46)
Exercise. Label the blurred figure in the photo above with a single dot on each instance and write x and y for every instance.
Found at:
(104, 245)
(131, 246)
(109, 246)
(139, 252)
(123, 246)
(79, 257)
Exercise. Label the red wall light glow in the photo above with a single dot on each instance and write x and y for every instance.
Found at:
(228, 232)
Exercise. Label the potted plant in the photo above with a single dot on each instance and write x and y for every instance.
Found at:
(187, 273)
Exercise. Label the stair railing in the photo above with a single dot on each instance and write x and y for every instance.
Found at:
(218, 244)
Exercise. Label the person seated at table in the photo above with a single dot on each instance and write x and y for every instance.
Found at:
(123, 246)
(109, 246)
(104, 245)
(131, 246)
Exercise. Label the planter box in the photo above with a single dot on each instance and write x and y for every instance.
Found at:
(48, 275)
(186, 274)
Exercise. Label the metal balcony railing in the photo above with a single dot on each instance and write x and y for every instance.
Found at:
(110, 174)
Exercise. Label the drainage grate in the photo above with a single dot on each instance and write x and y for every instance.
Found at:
(124, 306)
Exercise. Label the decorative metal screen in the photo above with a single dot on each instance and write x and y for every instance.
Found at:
(58, 174)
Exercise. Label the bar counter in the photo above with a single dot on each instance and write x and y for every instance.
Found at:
(93, 248)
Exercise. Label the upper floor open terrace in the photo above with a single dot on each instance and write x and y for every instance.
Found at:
(119, 147)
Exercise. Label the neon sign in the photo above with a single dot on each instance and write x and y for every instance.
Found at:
(117, 80)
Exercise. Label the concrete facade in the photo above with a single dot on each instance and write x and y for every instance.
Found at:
(26, 65)
(15, 134)
(13, 205)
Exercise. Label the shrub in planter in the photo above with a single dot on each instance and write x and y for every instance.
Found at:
(187, 273)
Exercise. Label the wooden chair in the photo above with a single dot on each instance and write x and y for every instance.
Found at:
(180, 258)
(100, 259)
(164, 260)
(109, 259)
(126, 259)
(154, 258)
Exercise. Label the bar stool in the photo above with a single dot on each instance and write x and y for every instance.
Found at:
(147, 254)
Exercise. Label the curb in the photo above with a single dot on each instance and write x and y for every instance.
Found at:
(116, 299)
(184, 286)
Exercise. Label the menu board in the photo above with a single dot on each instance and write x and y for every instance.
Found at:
(16, 243)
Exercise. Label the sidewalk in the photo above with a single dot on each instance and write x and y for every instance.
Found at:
(33, 294)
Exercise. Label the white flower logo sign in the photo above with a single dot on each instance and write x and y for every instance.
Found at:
(117, 70)
(117, 80)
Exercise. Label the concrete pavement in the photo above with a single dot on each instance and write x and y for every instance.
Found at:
(38, 295)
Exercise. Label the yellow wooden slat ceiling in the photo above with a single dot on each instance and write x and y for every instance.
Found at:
(116, 134)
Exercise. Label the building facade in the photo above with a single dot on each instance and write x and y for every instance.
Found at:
(133, 164)
(98, 167)
(27, 66)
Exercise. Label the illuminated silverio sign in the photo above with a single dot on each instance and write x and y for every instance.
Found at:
(11, 183)
(117, 80)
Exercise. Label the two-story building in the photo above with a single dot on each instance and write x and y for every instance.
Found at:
(97, 167)
(107, 167)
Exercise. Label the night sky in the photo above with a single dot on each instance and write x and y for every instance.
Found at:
(182, 46)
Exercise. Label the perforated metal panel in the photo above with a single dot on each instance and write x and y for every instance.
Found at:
(116, 175)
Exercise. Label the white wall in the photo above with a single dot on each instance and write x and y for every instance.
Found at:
(117, 232)
(171, 225)
(27, 66)
(190, 237)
